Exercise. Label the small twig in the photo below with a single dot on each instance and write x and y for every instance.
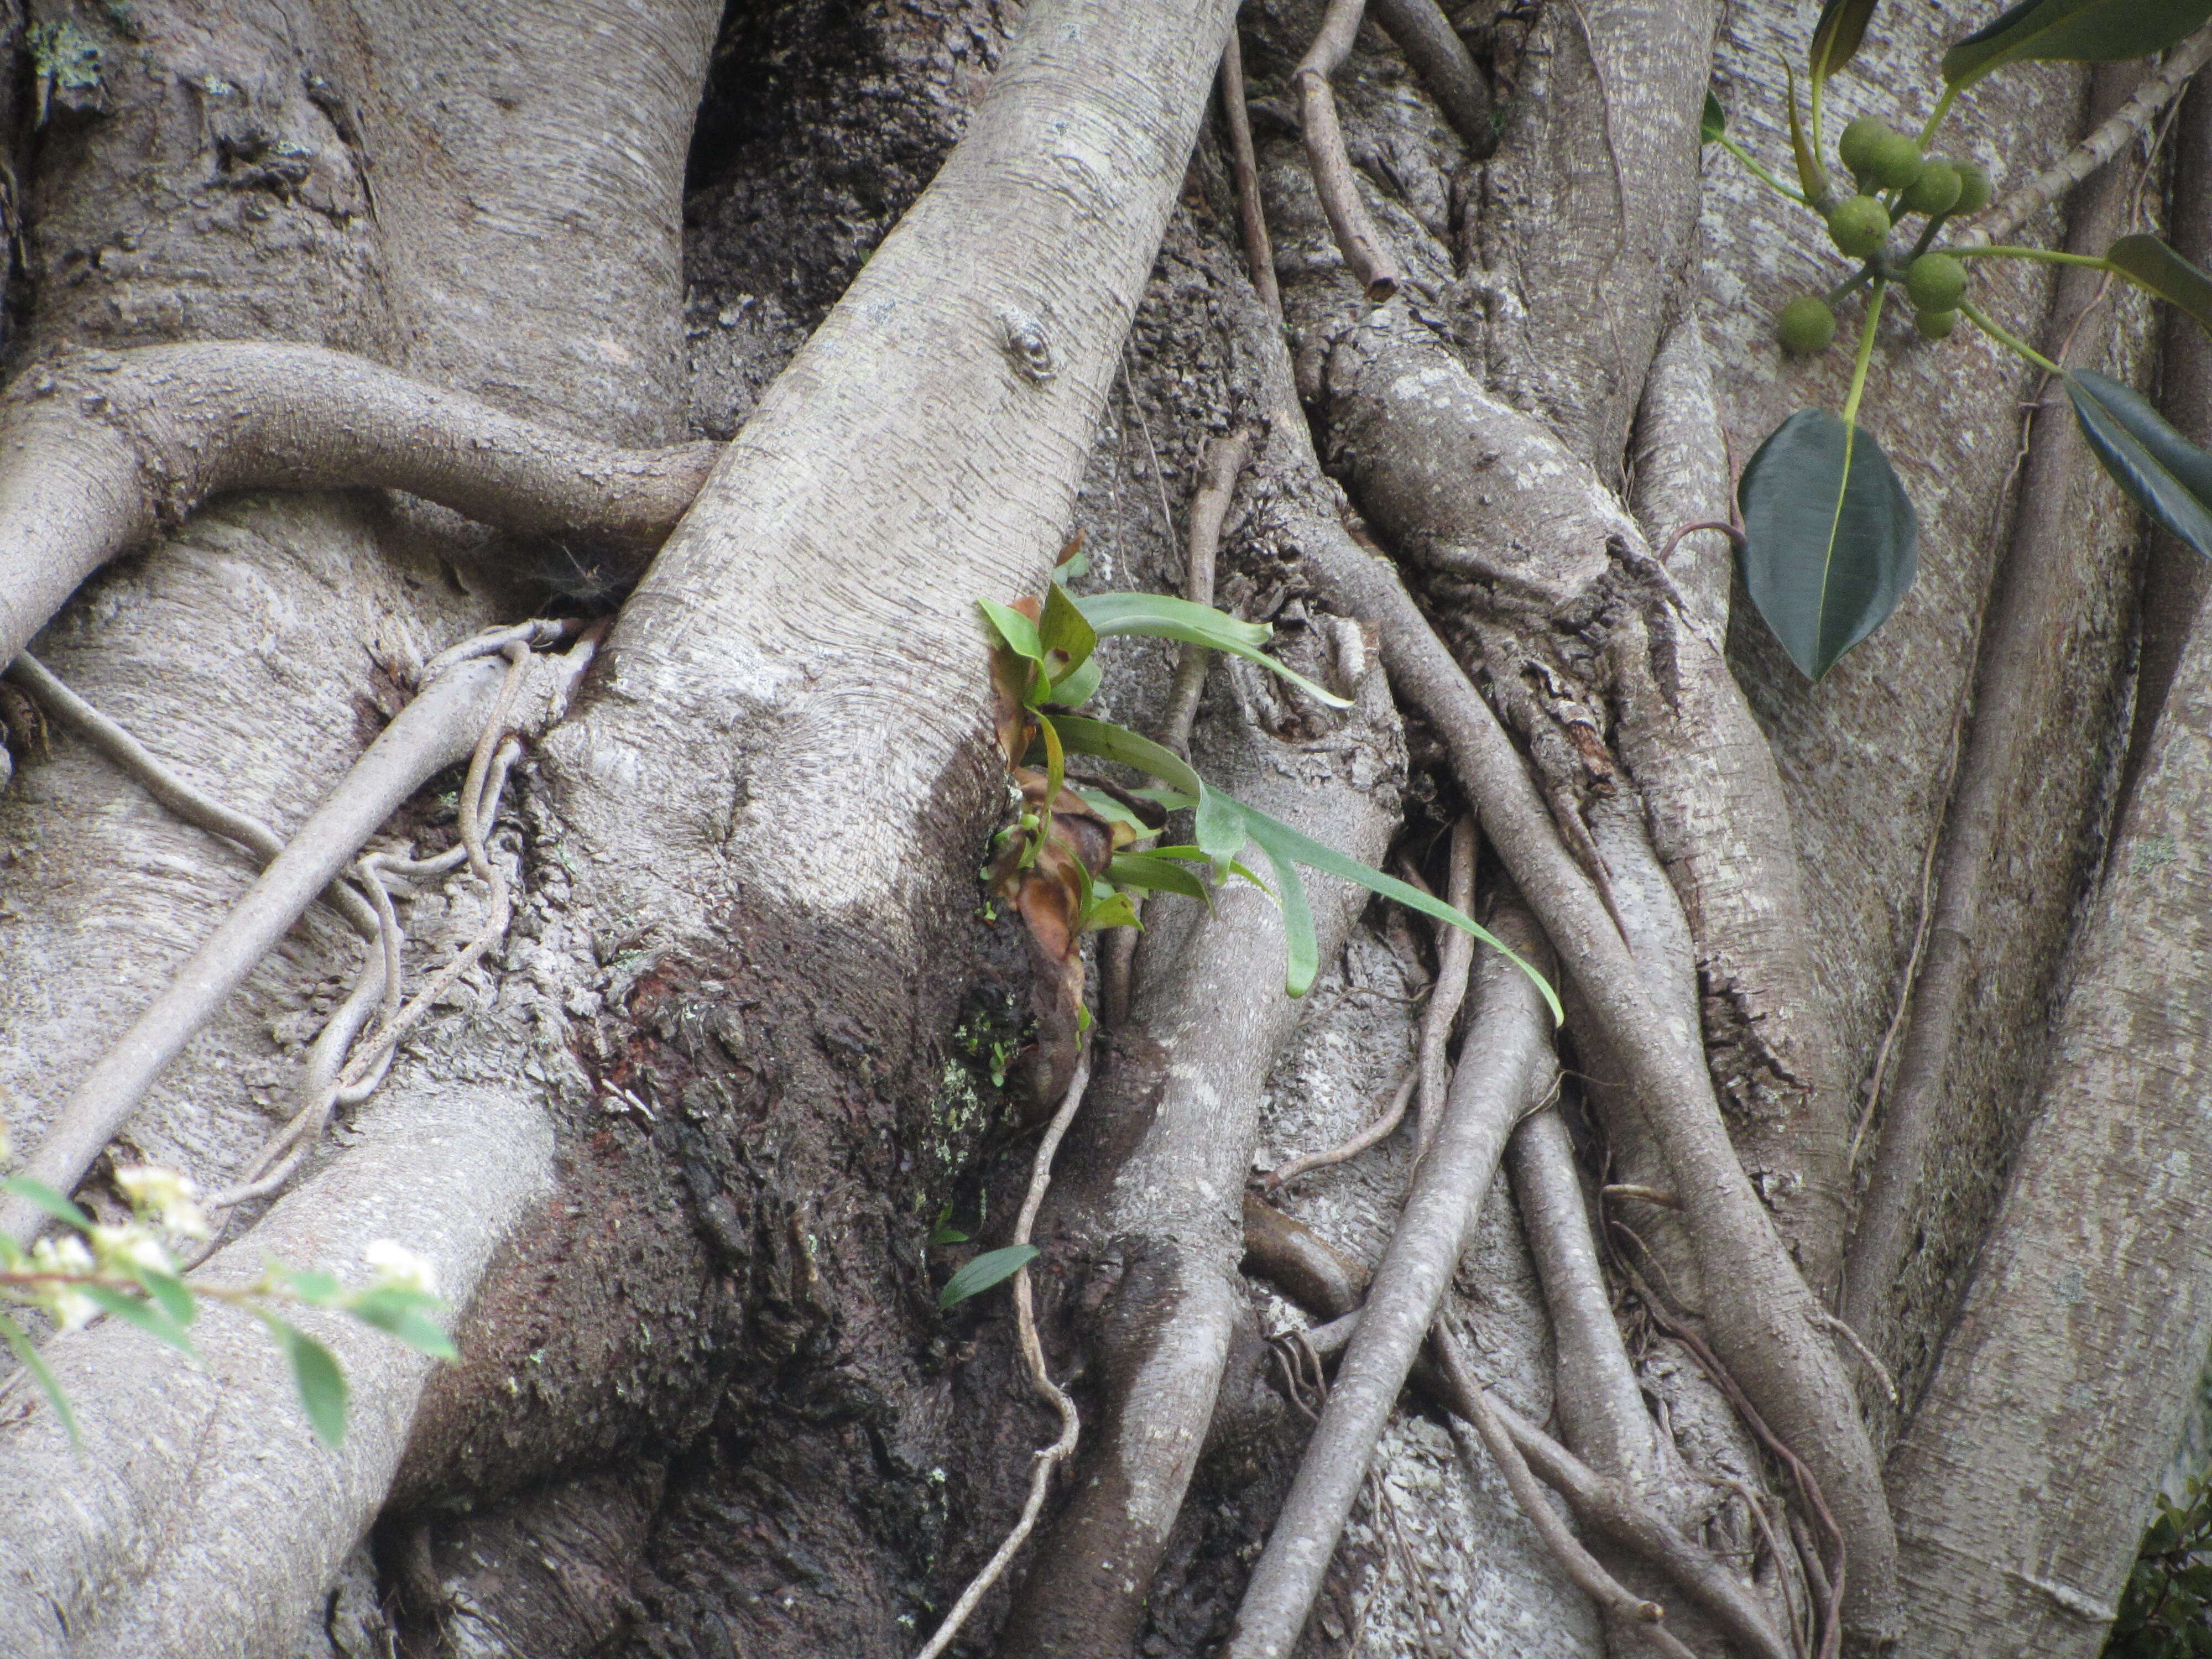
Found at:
(1258, 256)
(1377, 1131)
(1733, 533)
(2100, 147)
(1659, 1195)
(1356, 239)
(139, 762)
(1455, 956)
(1052, 1456)
(1611, 1596)
(1858, 1344)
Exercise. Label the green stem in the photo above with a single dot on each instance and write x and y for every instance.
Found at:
(2005, 337)
(1866, 352)
(2047, 255)
(1942, 108)
(1851, 284)
(1758, 172)
(1927, 235)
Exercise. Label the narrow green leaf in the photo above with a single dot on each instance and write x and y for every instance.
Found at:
(1301, 949)
(945, 1233)
(1156, 872)
(1836, 37)
(1109, 909)
(1830, 538)
(1084, 736)
(53, 1203)
(1056, 760)
(1166, 617)
(1065, 633)
(2073, 31)
(148, 1318)
(1112, 810)
(1713, 122)
(1278, 840)
(1019, 632)
(172, 1293)
(322, 1385)
(2150, 264)
(1811, 177)
(985, 1271)
(26, 1351)
(2159, 470)
(1220, 828)
(405, 1315)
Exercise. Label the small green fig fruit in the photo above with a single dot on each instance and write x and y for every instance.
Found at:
(1806, 325)
(1934, 189)
(1937, 282)
(1859, 227)
(1935, 325)
(1896, 160)
(1854, 150)
(1973, 188)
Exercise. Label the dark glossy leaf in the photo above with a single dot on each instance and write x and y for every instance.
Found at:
(315, 1372)
(26, 1351)
(1713, 122)
(2150, 264)
(1169, 618)
(2073, 31)
(1830, 538)
(985, 1271)
(148, 1318)
(1836, 37)
(2159, 470)
(53, 1203)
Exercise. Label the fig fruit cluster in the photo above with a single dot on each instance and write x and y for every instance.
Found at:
(1878, 158)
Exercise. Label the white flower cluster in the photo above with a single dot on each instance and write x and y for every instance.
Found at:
(399, 1268)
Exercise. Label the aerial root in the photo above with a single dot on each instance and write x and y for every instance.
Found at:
(1048, 1458)
(466, 710)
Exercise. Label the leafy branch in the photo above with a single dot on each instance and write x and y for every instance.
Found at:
(129, 1271)
(1830, 534)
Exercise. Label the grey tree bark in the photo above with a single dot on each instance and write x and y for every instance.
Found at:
(348, 330)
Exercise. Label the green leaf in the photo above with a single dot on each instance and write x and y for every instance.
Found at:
(2073, 31)
(1220, 828)
(1713, 122)
(1169, 618)
(405, 1315)
(1074, 688)
(317, 1290)
(2150, 264)
(1830, 537)
(1811, 177)
(1065, 633)
(53, 1203)
(1301, 949)
(1836, 37)
(2159, 470)
(1193, 856)
(1019, 632)
(1279, 841)
(172, 1293)
(1112, 810)
(1109, 909)
(134, 1311)
(985, 1271)
(1156, 872)
(27, 1352)
(1055, 762)
(1084, 736)
(322, 1385)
